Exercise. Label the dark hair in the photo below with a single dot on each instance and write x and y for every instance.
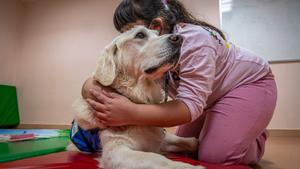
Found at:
(172, 12)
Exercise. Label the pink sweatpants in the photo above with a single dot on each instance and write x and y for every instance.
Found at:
(233, 130)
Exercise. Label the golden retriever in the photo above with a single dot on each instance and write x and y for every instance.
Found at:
(132, 65)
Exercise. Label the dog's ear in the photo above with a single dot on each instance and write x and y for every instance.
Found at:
(105, 72)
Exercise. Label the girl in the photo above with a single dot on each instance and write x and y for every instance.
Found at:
(222, 94)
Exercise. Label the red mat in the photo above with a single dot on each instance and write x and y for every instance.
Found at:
(76, 160)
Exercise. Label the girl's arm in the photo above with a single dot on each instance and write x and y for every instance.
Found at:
(115, 110)
(167, 114)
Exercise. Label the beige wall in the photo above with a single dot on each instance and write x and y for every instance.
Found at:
(59, 45)
(287, 112)
(206, 10)
(10, 22)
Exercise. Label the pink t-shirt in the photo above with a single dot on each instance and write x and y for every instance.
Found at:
(209, 67)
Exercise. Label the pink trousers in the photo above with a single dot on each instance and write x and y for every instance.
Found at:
(233, 130)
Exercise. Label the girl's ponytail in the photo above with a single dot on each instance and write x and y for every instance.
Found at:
(182, 15)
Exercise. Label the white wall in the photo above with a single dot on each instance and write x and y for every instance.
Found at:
(59, 45)
(272, 34)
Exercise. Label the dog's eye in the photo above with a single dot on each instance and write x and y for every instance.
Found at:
(140, 35)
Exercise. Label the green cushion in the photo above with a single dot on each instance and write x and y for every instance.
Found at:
(9, 113)
(23, 149)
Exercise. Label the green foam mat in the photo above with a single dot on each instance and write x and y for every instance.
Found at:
(23, 149)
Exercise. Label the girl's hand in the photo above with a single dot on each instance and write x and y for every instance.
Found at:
(112, 109)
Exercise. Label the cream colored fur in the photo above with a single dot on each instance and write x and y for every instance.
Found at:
(122, 67)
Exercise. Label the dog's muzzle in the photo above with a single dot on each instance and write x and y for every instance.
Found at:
(174, 41)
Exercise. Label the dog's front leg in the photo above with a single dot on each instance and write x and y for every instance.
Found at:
(122, 157)
(173, 143)
(83, 115)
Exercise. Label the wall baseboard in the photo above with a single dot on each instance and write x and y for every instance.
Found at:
(284, 133)
(284, 61)
(272, 132)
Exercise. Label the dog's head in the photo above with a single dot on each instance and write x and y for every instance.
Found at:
(138, 52)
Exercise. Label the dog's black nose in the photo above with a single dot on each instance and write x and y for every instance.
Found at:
(175, 39)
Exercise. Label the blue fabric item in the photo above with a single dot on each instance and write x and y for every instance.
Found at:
(85, 140)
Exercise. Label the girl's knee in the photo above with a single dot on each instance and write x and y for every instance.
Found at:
(212, 156)
(219, 157)
(230, 155)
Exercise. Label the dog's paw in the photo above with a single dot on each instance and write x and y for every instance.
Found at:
(181, 165)
(199, 167)
(192, 144)
(189, 167)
